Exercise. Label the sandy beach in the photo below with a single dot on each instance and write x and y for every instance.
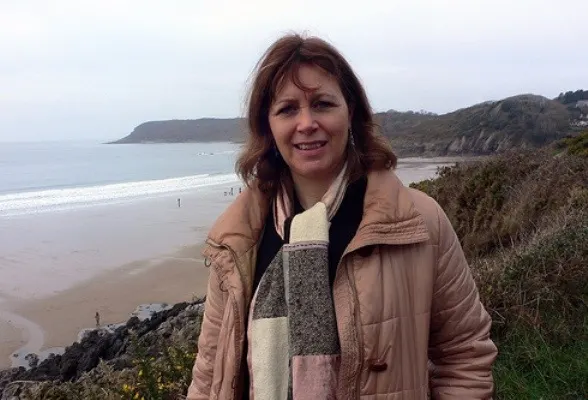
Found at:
(58, 269)
(114, 294)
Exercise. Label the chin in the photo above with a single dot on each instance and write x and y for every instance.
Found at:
(313, 172)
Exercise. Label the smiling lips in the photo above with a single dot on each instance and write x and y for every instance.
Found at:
(310, 145)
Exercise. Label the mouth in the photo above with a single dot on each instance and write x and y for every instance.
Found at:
(310, 145)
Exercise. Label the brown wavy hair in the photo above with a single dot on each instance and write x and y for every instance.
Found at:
(259, 162)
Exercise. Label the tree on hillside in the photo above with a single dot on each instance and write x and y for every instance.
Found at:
(572, 97)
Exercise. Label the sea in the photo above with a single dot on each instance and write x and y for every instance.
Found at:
(61, 176)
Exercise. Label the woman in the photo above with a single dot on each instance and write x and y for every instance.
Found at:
(330, 279)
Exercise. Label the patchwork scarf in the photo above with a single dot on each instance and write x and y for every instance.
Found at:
(294, 348)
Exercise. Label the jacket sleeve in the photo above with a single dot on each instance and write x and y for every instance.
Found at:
(202, 372)
(460, 349)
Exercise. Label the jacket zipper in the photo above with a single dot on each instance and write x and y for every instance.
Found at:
(356, 312)
(238, 318)
(356, 318)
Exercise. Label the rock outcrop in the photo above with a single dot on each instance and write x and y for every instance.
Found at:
(180, 323)
(186, 131)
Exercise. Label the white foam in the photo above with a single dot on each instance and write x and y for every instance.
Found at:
(33, 332)
(70, 198)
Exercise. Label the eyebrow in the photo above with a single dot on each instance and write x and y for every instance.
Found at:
(287, 99)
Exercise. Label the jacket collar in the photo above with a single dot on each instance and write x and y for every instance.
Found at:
(389, 217)
(389, 214)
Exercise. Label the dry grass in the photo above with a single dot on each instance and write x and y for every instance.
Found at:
(542, 283)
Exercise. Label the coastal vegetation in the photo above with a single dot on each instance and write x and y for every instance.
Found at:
(523, 221)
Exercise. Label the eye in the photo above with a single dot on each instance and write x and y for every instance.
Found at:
(323, 104)
(286, 110)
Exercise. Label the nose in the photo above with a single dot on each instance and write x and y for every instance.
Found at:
(306, 120)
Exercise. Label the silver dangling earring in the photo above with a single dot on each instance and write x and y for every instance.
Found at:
(351, 139)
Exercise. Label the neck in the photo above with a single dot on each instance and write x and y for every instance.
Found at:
(311, 190)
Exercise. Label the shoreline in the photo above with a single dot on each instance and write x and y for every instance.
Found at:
(114, 294)
(12, 339)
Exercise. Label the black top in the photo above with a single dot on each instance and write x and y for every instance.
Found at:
(343, 227)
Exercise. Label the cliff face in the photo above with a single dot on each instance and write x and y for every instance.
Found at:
(525, 121)
(185, 131)
(519, 122)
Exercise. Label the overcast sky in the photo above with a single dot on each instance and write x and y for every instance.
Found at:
(74, 69)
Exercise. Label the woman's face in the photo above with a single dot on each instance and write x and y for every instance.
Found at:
(310, 128)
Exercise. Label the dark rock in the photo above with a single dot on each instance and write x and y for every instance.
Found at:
(112, 347)
(132, 323)
(32, 359)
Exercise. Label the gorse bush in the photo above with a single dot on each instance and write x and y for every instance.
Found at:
(161, 378)
(101, 383)
(523, 222)
(165, 377)
(495, 202)
(577, 145)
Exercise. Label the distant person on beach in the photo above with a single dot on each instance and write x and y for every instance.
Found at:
(330, 279)
(179, 205)
(97, 317)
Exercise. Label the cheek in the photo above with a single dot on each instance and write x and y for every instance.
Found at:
(339, 131)
(338, 124)
(277, 131)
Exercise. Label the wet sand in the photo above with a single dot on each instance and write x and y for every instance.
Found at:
(114, 294)
(48, 253)
(11, 339)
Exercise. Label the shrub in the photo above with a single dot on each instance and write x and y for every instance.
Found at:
(494, 202)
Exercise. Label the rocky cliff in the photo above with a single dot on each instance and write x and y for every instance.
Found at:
(525, 121)
(186, 131)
